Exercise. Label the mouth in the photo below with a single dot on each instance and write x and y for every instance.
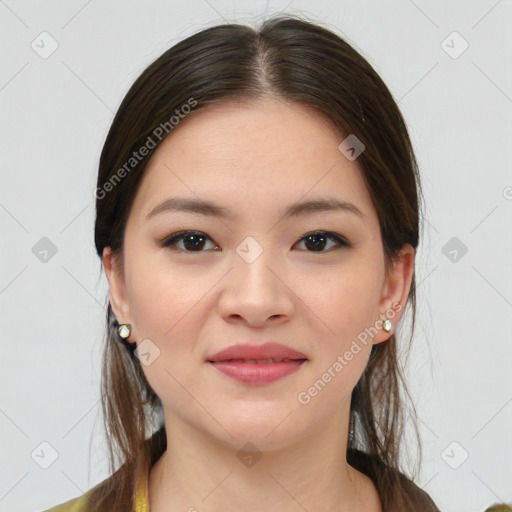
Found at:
(258, 371)
(258, 361)
(264, 353)
(257, 364)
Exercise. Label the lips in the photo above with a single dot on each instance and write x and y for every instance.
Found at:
(257, 364)
(257, 354)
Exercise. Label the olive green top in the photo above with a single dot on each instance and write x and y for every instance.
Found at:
(141, 502)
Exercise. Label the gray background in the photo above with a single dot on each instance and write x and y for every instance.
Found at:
(55, 115)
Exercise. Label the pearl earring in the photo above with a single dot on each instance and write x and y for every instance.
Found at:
(386, 325)
(124, 331)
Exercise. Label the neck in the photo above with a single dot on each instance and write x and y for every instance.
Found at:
(197, 472)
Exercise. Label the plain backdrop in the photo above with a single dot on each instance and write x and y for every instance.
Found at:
(447, 64)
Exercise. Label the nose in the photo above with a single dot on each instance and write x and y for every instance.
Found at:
(256, 293)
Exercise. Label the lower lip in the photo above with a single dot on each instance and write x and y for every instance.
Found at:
(258, 373)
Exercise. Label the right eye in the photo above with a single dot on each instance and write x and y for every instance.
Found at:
(193, 241)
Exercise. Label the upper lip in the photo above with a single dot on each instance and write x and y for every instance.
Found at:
(257, 352)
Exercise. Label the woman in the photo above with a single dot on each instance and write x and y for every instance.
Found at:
(257, 221)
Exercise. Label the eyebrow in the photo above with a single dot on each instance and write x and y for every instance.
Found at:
(209, 208)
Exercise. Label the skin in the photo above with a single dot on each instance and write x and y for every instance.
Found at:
(255, 159)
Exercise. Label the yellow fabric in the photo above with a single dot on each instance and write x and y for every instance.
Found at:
(74, 505)
(141, 502)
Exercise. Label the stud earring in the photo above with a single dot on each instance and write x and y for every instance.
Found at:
(386, 325)
(124, 331)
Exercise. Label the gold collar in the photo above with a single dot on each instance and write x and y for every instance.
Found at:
(141, 500)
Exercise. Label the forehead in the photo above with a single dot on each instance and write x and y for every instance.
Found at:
(252, 156)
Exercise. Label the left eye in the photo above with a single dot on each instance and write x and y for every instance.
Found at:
(194, 241)
(319, 239)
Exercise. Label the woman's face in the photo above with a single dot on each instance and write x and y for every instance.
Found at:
(248, 278)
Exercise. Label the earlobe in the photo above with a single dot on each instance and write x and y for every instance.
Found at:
(385, 328)
(395, 292)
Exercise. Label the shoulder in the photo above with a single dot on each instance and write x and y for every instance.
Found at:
(418, 496)
(79, 503)
(407, 492)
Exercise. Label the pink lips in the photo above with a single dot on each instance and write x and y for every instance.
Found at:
(257, 364)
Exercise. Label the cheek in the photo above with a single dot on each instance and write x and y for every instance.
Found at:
(345, 306)
(344, 302)
(164, 311)
(164, 304)
(160, 296)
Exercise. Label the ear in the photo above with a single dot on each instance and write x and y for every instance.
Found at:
(114, 272)
(395, 292)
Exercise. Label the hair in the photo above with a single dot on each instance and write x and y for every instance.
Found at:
(297, 61)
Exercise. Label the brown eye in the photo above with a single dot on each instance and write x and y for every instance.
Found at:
(193, 241)
(318, 240)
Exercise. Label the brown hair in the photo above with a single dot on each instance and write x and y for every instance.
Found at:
(298, 61)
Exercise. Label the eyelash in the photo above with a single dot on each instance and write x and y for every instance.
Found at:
(171, 240)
